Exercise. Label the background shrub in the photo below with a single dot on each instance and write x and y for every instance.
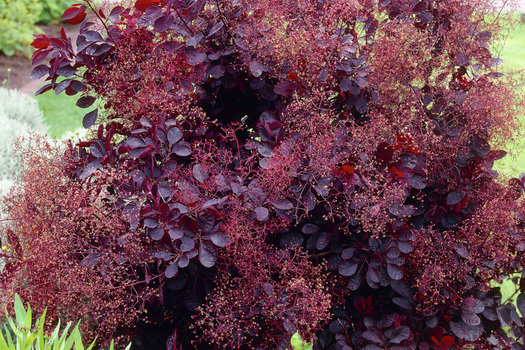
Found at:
(19, 114)
(51, 10)
(17, 24)
(266, 168)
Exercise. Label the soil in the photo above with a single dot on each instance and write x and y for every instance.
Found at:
(15, 70)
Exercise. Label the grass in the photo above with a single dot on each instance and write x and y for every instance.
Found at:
(513, 55)
(60, 113)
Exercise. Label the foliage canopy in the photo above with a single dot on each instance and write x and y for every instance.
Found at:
(263, 167)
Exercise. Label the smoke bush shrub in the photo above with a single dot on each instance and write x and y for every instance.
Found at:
(262, 168)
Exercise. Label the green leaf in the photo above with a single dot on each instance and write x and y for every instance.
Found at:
(40, 341)
(298, 344)
(20, 312)
(8, 335)
(3, 343)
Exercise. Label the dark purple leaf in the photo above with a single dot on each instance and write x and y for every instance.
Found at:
(220, 239)
(490, 314)
(175, 233)
(408, 160)
(348, 268)
(90, 261)
(393, 252)
(403, 302)
(172, 270)
(322, 241)
(217, 72)
(466, 332)
(361, 105)
(374, 335)
(450, 220)
(394, 272)
(504, 315)
(39, 71)
(194, 41)
(256, 68)
(92, 35)
(174, 135)
(90, 169)
(114, 14)
(265, 149)
(101, 49)
(417, 181)
(96, 150)
(151, 223)
(399, 334)
(401, 288)
(474, 305)
(62, 86)
(338, 325)
(135, 142)
(405, 247)
(164, 255)
(163, 23)
(215, 29)
(212, 202)
(43, 89)
(196, 58)
(90, 119)
(206, 221)
(185, 259)
(66, 71)
(355, 282)
(207, 254)
(200, 173)
(257, 195)
(373, 275)
(309, 229)
(157, 233)
(347, 253)
(182, 149)
(345, 85)
(85, 101)
(76, 86)
(150, 16)
(284, 88)
(187, 244)
(470, 318)
(284, 343)
(455, 197)
(261, 213)
(291, 239)
(282, 204)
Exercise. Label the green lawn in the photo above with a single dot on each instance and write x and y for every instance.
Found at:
(513, 55)
(60, 112)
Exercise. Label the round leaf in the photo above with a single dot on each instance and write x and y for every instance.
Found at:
(174, 135)
(187, 244)
(207, 254)
(182, 149)
(394, 272)
(348, 268)
(90, 119)
(261, 213)
(172, 270)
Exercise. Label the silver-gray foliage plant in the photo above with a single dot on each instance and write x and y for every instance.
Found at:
(19, 115)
